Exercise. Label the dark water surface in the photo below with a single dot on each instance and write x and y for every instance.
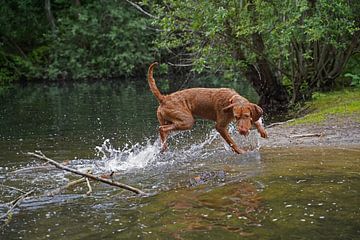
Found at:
(197, 190)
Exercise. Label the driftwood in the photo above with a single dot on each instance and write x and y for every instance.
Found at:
(307, 135)
(41, 156)
(279, 123)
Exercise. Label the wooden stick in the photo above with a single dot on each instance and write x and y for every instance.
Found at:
(45, 166)
(307, 135)
(13, 188)
(41, 156)
(279, 123)
(16, 202)
(60, 189)
(89, 186)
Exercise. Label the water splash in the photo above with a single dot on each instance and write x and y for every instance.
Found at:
(129, 157)
(182, 149)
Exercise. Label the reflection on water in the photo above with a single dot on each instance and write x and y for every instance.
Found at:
(198, 189)
(284, 193)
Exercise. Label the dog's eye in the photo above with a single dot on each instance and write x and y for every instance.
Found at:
(246, 115)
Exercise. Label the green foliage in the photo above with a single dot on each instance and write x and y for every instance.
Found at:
(352, 71)
(96, 39)
(22, 24)
(99, 41)
(305, 42)
(355, 79)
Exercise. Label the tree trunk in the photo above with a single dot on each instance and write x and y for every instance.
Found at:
(77, 3)
(273, 95)
(274, 98)
(49, 15)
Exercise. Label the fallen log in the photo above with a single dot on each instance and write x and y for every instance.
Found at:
(41, 156)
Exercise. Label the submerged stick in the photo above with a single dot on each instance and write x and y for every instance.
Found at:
(16, 202)
(41, 156)
(68, 185)
(89, 186)
(12, 188)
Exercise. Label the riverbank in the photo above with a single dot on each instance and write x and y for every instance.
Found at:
(331, 120)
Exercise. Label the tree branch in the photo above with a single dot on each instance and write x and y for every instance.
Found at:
(141, 9)
(12, 188)
(16, 202)
(60, 189)
(89, 186)
(41, 156)
(49, 15)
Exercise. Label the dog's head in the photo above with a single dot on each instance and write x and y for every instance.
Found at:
(245, 115)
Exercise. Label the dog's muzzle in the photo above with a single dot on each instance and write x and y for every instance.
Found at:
(243, 131)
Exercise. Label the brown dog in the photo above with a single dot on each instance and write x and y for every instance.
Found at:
(222, 105)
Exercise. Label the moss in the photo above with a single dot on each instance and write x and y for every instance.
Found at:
(344, 103)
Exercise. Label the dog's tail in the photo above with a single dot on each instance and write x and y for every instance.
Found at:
(152, 84)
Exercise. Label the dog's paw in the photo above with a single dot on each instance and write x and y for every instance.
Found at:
(264, 134)
(238, 150)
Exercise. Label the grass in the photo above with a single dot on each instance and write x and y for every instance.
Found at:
(339, 104)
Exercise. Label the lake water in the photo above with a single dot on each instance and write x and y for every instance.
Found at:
(198, 189)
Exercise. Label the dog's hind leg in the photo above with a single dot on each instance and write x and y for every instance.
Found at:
(183, 122)
(162, 131)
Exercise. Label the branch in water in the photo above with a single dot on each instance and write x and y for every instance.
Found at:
(15, 203)
(89, 186)
(41, 156)
(60, 189)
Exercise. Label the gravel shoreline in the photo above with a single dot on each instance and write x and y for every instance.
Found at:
(339, 132)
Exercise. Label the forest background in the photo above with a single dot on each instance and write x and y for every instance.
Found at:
(286, 50)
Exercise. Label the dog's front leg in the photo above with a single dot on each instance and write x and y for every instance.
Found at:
(225, 134)
(259, 126)
(164, 131)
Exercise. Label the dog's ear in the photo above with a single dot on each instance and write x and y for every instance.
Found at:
(229, 107)
(256, 112)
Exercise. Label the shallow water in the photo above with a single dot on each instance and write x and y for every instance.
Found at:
(198, 189)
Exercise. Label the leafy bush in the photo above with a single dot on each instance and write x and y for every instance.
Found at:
(98, 41)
